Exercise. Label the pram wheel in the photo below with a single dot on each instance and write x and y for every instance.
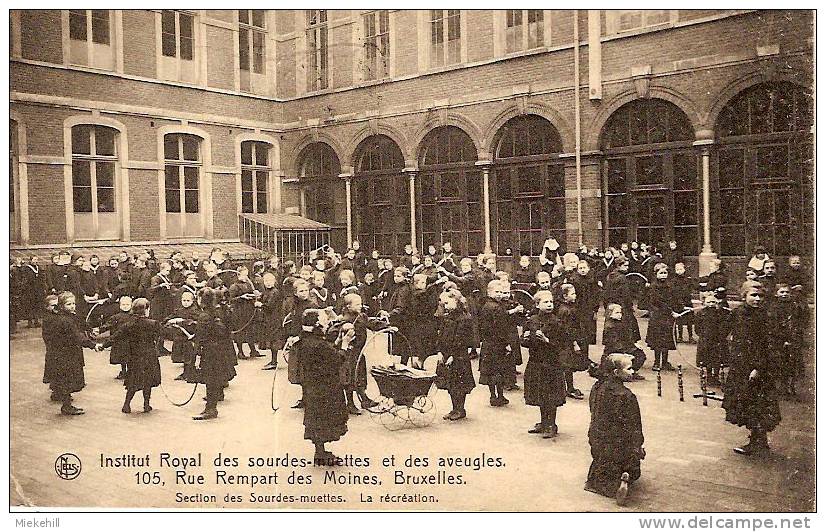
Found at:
(422, 412)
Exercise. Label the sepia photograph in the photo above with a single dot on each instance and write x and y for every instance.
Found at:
(412, 260)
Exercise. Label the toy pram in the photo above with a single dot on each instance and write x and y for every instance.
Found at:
(405, 398)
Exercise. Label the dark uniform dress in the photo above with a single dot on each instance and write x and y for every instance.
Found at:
(217, 352)
(752, 404)
(713, 327)
(325, 408)
(399, 302)
(454, 341)
(354, 369)
(119, 354)
(270, 328)
(294, 310)
(496, 363)
(788, 321)
(143, 370)
(161, 301)
(568, 333)
(616, 338)
(47, 332)
(618, 291)
(544, 376)
(615, 435)
(68, 339)
(422, 322)
(243, 312)
(587, 303)
(183, 349)
(661, 302)
(33, 292)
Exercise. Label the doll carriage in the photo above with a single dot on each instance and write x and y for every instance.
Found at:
(405, 400)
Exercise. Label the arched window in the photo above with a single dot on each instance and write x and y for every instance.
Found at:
(14, 195)
(381, 197)
(324, 197)
(528, 189)
(650, 175)
(765, 187)
(183, 165)
(94, 182)
(449, 196)
(255, 176)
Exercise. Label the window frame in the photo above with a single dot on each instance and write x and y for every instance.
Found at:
(251, 31)
(94, 161)
(379, 40)
(97, 55)
(181, 164)
(257, 170)
(317, 49)
(613, 20)
(439, 25)
(524, 30)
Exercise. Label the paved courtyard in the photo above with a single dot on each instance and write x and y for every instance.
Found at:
(690, 465)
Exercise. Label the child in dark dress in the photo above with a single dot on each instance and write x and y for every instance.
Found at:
(143, 371)
(355, 364)
(663, 306)
(751, 398)
(453, 326)
(615, 434)
(183, 346)
(496, 362)
(683, 286)
(713, 327)
(788, 322)
(544, 375)
(325, 410)
(120, 349)
(616, 338)
(270, 328)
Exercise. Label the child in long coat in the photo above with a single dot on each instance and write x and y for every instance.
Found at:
(325, 407)
(143, 371)
(355, 364)
(68, 338)
(453, 325)
(496, 362)
(713, 324)
(544, 375)
(270, 328)
(183, 345)
(49, 318)
(422, 328)
(615, 433)
(293, 310)
(119, 353)
(788, 322)
(751, 398)
(663, 306)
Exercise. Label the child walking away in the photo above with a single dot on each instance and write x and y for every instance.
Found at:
(713, 323)
(120, 348)
(143, 371)
(325, 409)
(663, 307)
(615, 434)
(453, 328)
(496, 362)
(68, 340)
(217, 353)
(616, 338)
(544, 376)
(750, 391)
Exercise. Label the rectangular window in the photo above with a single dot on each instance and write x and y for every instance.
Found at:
(317, 75)
(622, 20)
(513, 30)
(376, 45)
(251, 40)
(524, 29)
(77, 24)
(100, 26)
(445, 37)
(177, 34)
(255, 173)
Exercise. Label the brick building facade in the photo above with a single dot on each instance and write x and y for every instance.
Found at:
(423, 126)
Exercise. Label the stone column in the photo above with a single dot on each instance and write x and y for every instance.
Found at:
(485, 165)
(411, 174)
(348, 178)
(705, 139)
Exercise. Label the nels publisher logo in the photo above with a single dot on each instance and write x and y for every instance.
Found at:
(67, 466)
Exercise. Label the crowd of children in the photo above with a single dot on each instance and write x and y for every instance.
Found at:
(434, 304)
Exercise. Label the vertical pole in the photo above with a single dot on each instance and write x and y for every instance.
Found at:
(486, 205)
(680, 382)
(578, 147)
(348, 193)
(412, 176)
(706, 201)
